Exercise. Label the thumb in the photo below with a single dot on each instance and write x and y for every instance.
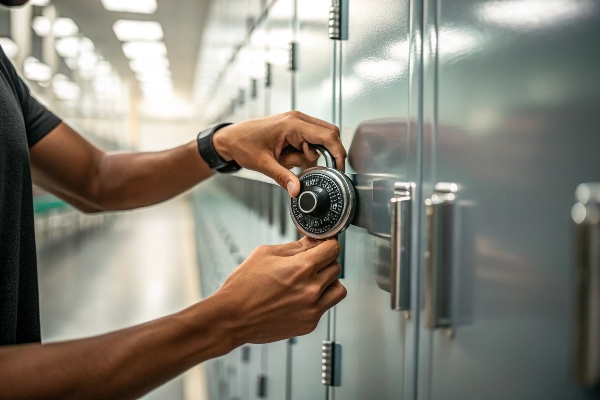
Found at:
(283, 176)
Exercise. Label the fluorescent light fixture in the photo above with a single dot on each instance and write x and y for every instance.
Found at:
(42, 26)
(10, 48)
(71, 63)
(143, 64)
(135, 50)
(35, 70)
(533, 14)
(65, 27)
(87, 61)
(67, 47)
(150, 79)
(103, 68)
(137, 30)
(42, 3)
(64, 89)
(132, 6)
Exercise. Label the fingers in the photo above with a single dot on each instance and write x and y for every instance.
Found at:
(302, 132)
(314, 121)
(320, 256)
(328, 275)
(297, 159)
(332, 296)
(283, 176)
(293, 248)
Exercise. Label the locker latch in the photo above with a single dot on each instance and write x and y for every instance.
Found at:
(331, 363)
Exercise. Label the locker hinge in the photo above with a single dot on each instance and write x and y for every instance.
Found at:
(261, 386)
(268, 74)
(292, 56)
(331, 357)
(338, 20)
(253, 88)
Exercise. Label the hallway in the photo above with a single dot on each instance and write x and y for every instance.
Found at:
(140, 268)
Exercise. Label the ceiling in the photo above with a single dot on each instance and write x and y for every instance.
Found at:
(182, 21)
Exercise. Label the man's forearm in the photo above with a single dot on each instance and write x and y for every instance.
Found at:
(123, 364)
(127, 181)
(67, 165)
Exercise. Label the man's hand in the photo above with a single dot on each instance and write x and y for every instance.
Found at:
(257, 144)
(282, 291)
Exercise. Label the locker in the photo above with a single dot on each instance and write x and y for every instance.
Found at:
(314, 63)
(486, 112)
(510, 117)
(377, 342)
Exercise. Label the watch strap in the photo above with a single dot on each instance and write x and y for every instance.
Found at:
(208, 153)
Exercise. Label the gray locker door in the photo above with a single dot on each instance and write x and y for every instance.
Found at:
(314, 97)
(514, 124)
(278, 99)
(377, 342)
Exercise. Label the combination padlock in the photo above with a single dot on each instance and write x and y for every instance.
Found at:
(326, 204)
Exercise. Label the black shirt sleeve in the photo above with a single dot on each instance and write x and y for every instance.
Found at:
(38, 120)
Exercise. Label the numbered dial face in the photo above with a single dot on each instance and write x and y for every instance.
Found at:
(325, 205)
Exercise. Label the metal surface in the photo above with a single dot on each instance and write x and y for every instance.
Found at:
(342, 203)
(331, 363)
(440, 210)
(586, 215)
(510, 113)
(400, 247)
(373, 117)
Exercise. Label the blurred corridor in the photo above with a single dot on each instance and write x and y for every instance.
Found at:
(138, 268)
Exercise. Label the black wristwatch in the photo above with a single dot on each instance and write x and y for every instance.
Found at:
(210, 155)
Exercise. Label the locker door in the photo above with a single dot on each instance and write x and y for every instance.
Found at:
(376, 341)
(314, 63)
(514, 124)
(278, 99)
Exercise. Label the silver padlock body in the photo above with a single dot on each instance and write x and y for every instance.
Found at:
(340, 209)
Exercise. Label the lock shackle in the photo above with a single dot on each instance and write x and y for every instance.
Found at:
(329, 160)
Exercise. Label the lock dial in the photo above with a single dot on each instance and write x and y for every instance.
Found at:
(326, 204)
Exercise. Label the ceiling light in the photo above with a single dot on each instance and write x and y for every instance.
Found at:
(41, 3)
(135, 50)
(133, 6)
(64, 89)
(10, 48)
(103, 68)
(42, 26)
(154, 80)
(87, 61)
(86, 45)
(67, 47)
(142, 64)
(65, 27)
(71, 63)
(35, 70)
(137, 30)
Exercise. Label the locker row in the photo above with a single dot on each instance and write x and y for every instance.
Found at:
(479, 118)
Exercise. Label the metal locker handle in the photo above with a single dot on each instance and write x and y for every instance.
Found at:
(400, 247)
(586, 215)
(440, 209)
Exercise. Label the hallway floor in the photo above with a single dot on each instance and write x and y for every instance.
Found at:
(140, 268)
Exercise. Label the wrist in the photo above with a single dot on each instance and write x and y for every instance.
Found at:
(212, 325)
(221, 143)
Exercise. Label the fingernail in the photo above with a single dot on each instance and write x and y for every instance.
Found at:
(290, 188)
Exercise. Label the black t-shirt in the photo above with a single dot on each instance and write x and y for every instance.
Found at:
(23, 123)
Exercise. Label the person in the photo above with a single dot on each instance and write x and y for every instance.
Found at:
(280, 291)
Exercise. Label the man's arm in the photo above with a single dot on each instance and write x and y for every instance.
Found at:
(278, 292)
(65, 164)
